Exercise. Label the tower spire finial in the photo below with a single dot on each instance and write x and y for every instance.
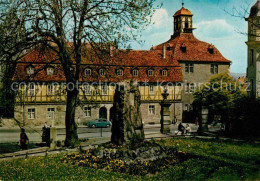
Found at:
(182, 3)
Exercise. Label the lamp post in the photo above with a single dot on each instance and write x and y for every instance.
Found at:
(165, 113)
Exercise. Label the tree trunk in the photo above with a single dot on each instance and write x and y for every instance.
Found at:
(71, 127)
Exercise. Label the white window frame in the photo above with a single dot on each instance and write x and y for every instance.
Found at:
(31, 89)
(102, 72)
(191, 87)
(50, 89)
(151, 109)
(150, 72)
(151, 89)
(30, 70)
(164, 73)
(31, 113)
(135, 72)
(119, 72)
(186, 107)
(50, 112)
(189, 68)
(104, 89)
(87, 89)
(50, 71)
(87, 111)
(214, 68)
(88, 71)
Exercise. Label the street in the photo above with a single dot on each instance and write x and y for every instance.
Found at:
(34, 134)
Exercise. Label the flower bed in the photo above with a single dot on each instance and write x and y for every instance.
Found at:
(141, 159)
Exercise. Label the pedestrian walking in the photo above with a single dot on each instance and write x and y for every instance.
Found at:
(23, 139)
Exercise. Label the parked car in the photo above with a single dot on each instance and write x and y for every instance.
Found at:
(99, 123)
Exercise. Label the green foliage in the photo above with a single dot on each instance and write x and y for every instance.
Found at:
(221, 93)
(245, 117)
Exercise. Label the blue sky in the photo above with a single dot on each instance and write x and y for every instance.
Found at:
(214, 25)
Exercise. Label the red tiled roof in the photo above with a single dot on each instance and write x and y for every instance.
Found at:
(127, 60)
(183, 11)
(196, 50)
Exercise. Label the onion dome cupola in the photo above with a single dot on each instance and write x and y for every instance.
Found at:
(183, 21)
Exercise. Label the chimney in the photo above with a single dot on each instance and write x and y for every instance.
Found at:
(164, 51)
(111, 50)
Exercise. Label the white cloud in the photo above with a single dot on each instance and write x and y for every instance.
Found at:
(217, 28)
(161, 19)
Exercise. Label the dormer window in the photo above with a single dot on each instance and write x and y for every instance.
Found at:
(30, 70)
(50, 71)
(119, 72)
(164, 73)
(211, 49)
(183, 48)
(150, 72)
(88, 71)
(135, 72)
(102, 72)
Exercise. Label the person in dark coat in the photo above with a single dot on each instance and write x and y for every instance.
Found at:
(181, 128)
(23, 139)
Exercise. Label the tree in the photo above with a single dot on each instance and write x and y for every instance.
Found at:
(56, 23)
(221, 94)
(12, 38)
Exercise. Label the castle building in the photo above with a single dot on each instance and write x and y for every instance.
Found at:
(253, 54)
(181, 64)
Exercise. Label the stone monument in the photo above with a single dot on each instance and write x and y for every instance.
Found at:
(127, 126)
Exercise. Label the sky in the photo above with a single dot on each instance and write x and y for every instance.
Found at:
(214, 25)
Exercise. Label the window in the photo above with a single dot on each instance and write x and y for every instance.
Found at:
(189, 68)
(189, 88)
(31, 89)
(50, 90)
(30, 70)
(87, 89)
(87, 111)
(252, 56)
(104, 89)
(214, 68)
(88, 71)
(135, 72)
(119, 72)
(151, 89)
(186, 107)
(31, 113)
(152, 109)
(150, 72)
(50, 113)
(102, 72)
(186, 22)
(211, 50)
(50, 71)
(164, 72)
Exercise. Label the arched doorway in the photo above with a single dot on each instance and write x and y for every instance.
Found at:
(103, 112)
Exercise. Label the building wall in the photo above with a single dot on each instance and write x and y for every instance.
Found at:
(201, 75)
(81, 118)
(253, 69)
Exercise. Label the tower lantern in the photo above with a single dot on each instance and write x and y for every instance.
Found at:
(182, 21)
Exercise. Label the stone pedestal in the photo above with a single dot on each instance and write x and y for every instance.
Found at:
(127, 126)
(53, 137)
(203, 124)
(165, 117)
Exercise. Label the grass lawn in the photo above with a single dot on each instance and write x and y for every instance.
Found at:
(13, 147)
(208, 160)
